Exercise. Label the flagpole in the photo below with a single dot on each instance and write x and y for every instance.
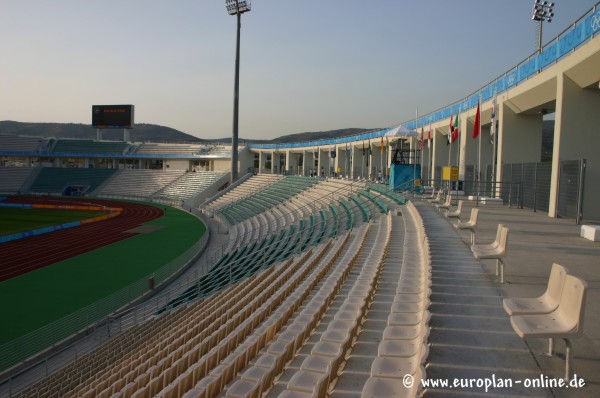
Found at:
(415, 150)
(493, 131)
(429, 162)
(479, 155)
(450, 144)
(458, 139)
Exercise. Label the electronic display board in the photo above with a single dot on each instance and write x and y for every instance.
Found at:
(112, 116)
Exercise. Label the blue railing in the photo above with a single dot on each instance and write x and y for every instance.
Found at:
(582, 30)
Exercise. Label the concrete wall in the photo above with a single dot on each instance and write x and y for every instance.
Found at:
(577, 136)
(176, 164)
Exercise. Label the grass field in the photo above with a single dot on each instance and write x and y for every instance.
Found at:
(40, 297)
(15, 220)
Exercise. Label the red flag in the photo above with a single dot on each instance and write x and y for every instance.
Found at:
(477, 126)
(429, 138)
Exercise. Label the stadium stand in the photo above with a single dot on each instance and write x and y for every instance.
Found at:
(161, 149)
(141, 183)
(190, 185)
(250, 186)
(89, 146)
(13, 178)
(17, 143)
(54, 180)
(290, 252)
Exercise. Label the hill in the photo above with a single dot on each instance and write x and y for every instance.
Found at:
(141, 132)
(152, 132)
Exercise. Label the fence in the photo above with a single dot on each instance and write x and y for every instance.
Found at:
(570, 189)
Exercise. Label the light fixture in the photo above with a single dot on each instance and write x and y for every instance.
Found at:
(542, 12)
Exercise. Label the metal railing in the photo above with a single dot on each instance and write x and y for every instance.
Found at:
(509, 192)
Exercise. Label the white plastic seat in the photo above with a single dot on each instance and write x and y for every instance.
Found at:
(565, 322)
(469, 225)
(446, 205)
(543, 304)
(456, 213)
(483, 248)
(498, 253)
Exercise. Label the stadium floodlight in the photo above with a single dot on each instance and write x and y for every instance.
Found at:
(542, 12)
(236, 7)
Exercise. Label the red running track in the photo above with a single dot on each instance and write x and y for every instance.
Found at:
(25, 255)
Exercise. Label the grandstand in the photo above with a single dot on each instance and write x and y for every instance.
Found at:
(190, 185)
(89, 146)
(12, 179)
(182, 149)
(140, 183)
(267, 291)
(54, 180)
(15, 143)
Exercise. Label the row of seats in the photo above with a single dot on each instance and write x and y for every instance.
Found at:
(55, 179)
(558, 313)
(322, 198)
(267, 197)
(13, 178)
(148, 359)
(403, 347)
(188, 332)
(190, 185)
(18, 143)
(89, 146)
(139, 182)
(182, 149)
(322, 367)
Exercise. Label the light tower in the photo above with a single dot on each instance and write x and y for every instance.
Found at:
(236, 7)
(542, 12)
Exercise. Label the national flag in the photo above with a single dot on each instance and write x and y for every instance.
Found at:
(370, 151)
(455, 129)
(477, 125)
(450, 130)
(493, 129)
(381, 146)
(429, 138)
(422, 138)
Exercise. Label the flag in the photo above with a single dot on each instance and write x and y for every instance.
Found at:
(450, 131)
(364, 148)
(429, 138)
(477, 125)
(493, 129)
(381, 148)
(370, 151)
(455, 129)
(422, 138)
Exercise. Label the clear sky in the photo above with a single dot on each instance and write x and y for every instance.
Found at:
(309, 65)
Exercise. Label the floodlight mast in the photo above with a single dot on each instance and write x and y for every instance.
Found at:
(236, 7)
(542, 12)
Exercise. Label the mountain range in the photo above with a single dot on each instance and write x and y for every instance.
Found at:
(151, 133)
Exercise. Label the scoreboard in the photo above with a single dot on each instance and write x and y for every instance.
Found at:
(112, 116)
